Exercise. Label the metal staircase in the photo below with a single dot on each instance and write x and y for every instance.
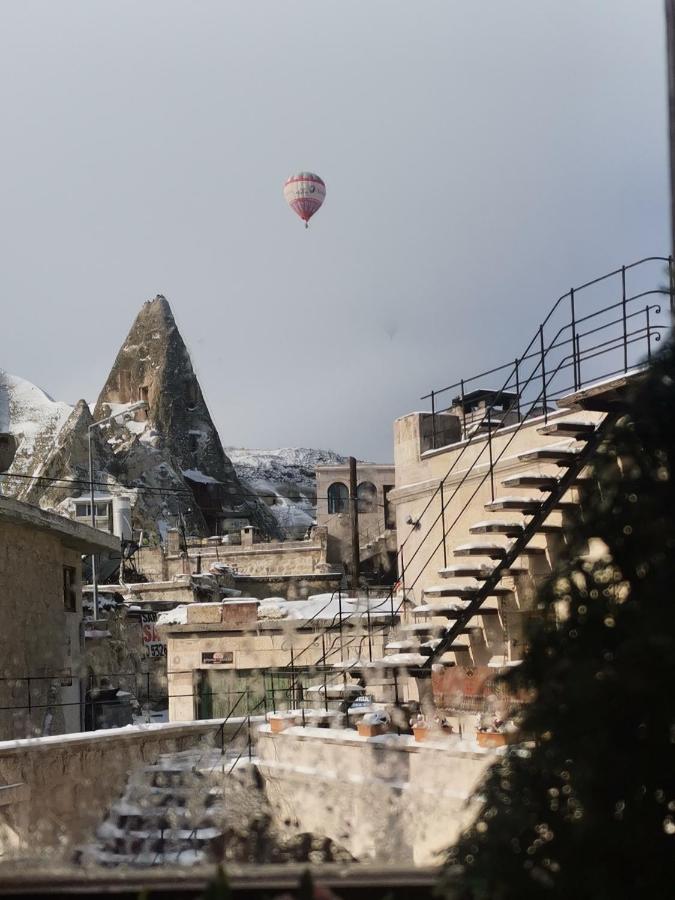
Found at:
(505, 557)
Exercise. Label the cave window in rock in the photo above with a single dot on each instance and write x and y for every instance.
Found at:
(142, 414)
(191, 394)
(338, 498)
(366, 494)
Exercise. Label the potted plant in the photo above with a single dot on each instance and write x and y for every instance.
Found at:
(373, 723)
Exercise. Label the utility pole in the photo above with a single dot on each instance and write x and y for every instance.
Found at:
(670, 39)
(354, 516)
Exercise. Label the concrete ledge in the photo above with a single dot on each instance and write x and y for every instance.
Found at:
(402, 743)
(127, 733)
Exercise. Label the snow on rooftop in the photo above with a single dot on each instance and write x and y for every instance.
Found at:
(319, 608)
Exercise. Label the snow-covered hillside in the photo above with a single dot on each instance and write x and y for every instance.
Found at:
(285, 479)
(31, 415)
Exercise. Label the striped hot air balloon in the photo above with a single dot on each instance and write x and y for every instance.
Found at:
(304, 193)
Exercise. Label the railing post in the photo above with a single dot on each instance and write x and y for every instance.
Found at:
(543, 372)
(445, 549)
(623, 316)
(574, 342)
(671, 280)
(292, 691)
(433, 420)
(248, 736)
(463, 410)
(649, 339)
(579, 358)
(492, 476)
(517, 368)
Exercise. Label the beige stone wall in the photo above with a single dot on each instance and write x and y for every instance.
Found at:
(264, 650)
(38, 638)
(64, 785)
(418, 475)
(261, 559)
(385, 800)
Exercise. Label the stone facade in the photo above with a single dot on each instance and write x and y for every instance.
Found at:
(41, 605)
(229, 640)
(400, 802)
(377, 518)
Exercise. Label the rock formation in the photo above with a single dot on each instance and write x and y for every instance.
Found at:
(171, 450)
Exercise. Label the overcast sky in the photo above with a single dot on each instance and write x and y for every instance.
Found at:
(479, 157)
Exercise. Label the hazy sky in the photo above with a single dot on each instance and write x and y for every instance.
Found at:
(480, 157)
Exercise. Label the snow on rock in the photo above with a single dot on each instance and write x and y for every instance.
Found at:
(285, 480)
(30, 414)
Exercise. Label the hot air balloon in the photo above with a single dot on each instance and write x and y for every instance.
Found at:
(304, 193)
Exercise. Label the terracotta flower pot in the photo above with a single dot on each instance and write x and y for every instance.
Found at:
(365, 729)
(279, 724)
(421, 732)
(496, 738)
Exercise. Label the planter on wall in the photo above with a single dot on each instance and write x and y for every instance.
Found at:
(496, 738)
(368, 729)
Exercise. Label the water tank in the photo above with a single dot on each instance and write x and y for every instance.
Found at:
(122, 518)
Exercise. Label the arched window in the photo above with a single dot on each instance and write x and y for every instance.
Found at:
(338, 498)
(366, 494)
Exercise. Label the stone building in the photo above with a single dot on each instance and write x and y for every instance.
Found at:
(41, 604)
(377, 516)
(246, 655)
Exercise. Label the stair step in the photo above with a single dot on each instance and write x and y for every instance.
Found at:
(465, 570)
(578, 430)
(526, 504)
(423, 628)
(542, 482)
(562, 455)
(465, 591)
(403, 646)
(493, 551)
(455, 610)
(510, 529)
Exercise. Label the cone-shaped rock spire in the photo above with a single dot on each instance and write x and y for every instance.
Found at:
(175, 440)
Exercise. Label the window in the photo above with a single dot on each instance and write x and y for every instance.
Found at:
(81, 510)
(190, 394)
(69, 589)
(338, 498)
(366, 494)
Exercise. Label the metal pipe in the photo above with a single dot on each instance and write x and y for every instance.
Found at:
(445, 549)
(543, 372)
(623, 316)
(94, 574)
(574, 339)
(492, 474)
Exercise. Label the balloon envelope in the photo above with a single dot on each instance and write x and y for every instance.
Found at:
(304, 193)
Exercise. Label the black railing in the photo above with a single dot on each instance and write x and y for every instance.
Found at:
(559, 335)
